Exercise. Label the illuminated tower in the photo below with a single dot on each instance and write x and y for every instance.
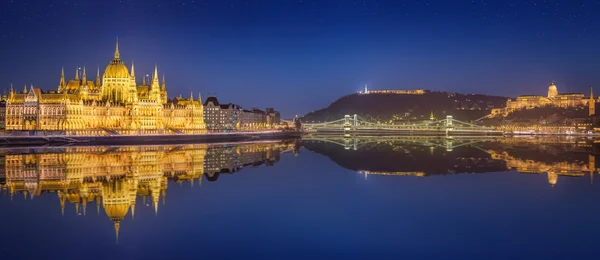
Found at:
(98, 77)
(132, 71)
(155, 87)
(62, 78)
(592, 104)
(552, 91)
(83, 77)
(117, 85)
(366, 89)
(163, 91)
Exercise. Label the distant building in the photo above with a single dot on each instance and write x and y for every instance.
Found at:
(554, 99)
(393, 91)
(273, 117)
(221, 117)
(253, 119)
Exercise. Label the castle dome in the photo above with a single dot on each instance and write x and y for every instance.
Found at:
(116, 68)
(552, 91)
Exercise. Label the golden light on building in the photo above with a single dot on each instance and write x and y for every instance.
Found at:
(553, 99)
(117, 105)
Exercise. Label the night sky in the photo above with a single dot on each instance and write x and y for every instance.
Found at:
(300, 55)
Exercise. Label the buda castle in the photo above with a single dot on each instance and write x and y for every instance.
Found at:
(115, 105)
(554, 99)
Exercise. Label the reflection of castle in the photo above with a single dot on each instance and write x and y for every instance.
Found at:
(113, 177)
(553, 169)
(563, 168)
(413, 155)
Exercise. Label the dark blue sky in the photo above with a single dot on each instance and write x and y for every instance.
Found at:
(300, 55)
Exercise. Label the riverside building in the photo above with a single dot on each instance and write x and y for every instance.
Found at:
(229, 117)
(553, 99)
(112, 104)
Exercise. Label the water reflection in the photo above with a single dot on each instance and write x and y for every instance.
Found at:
(425, 156)
(113, 177)
(111, 180)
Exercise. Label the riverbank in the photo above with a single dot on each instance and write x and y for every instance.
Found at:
(144, 139)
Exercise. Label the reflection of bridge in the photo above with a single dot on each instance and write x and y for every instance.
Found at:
(357, 141)
(355, 124)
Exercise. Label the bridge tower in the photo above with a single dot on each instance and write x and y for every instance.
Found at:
(347, 125)
(449, 126)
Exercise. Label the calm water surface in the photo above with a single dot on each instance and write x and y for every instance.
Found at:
(319, 198)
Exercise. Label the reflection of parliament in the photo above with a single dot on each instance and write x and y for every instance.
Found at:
(117, 105)
(113, 177)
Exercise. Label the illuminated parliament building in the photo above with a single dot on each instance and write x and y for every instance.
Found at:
(115, 105)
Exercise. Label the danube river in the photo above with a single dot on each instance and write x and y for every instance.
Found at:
(323, 197)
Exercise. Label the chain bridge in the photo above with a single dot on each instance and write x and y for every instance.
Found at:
(355, 124)
(356, 142)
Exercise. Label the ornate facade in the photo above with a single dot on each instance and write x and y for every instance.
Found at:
(115, 105)
(553, 99)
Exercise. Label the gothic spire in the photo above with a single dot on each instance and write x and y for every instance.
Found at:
(62, 77)
(200, 97)
(163, 83)
(76, 73)
(83, 77)
(154, 84)
(132, 70)
(25, 89)
(98, 77)
(117, 54)
(155, 75)
(191, 96)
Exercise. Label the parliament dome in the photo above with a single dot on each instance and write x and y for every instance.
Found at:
(116, 68)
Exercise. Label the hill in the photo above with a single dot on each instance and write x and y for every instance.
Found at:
(384, 107)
